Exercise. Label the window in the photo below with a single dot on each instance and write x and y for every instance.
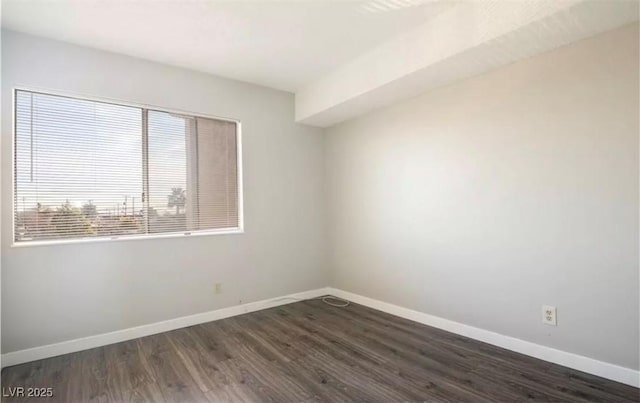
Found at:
(87, 169)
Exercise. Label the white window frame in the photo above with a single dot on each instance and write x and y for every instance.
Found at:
(196, 233)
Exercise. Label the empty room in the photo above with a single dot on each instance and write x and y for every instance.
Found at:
(320, 200)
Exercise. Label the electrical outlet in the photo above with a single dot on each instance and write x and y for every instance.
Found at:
(218, 288)
(549, 315)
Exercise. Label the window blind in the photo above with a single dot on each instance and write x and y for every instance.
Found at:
(86, 169)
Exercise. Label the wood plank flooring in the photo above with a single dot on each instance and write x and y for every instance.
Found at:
(307, 351)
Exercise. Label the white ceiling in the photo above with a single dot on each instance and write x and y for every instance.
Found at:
(279, 44)
(342, 58)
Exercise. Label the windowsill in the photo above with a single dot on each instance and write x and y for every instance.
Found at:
(224, 231)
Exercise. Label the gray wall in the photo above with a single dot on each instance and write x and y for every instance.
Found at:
(481, 201)
(56, 293)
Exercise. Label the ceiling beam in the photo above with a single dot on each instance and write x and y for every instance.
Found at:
(463, 41)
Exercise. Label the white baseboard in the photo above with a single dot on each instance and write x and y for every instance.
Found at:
(606, 370)
(581, 363)
(85, 343)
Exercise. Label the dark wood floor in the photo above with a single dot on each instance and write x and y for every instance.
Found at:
(308, 351)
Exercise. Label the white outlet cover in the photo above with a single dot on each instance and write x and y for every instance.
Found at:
(549, 316)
